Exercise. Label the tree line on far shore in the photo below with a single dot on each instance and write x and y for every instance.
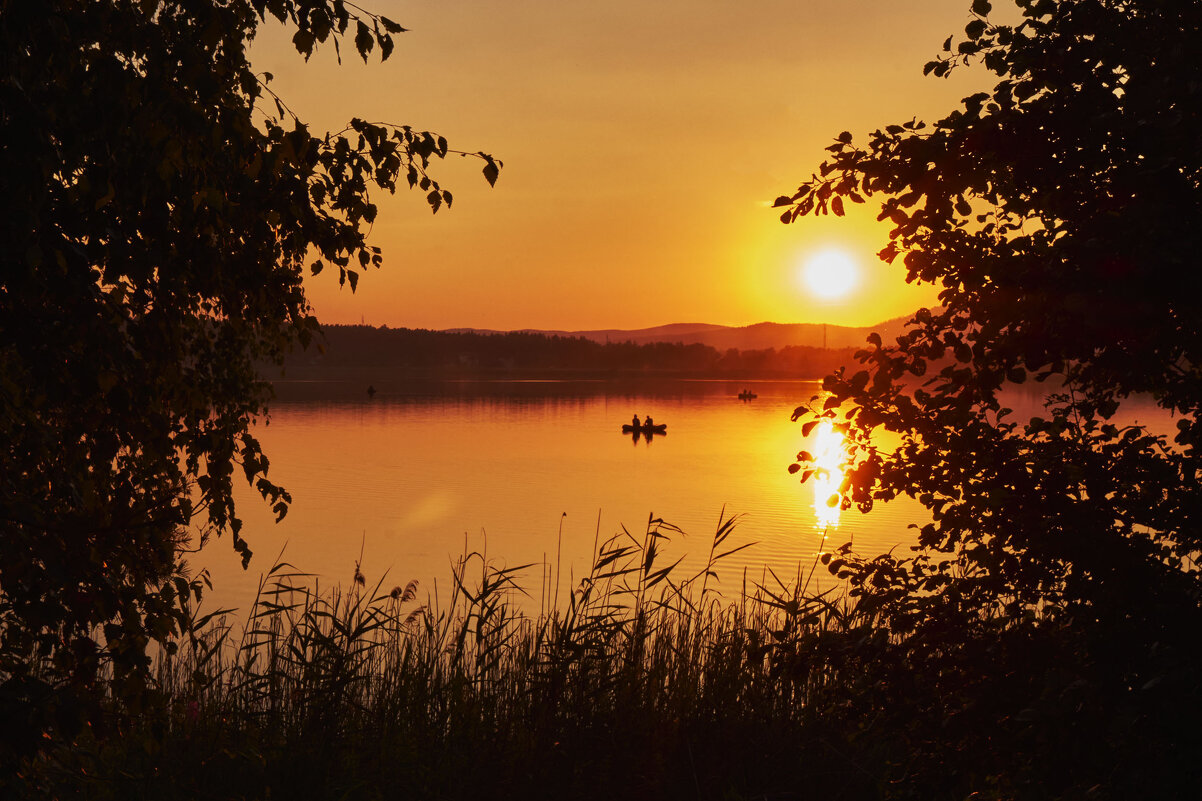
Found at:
(424, 352)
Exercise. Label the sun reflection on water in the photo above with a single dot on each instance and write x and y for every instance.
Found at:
(828, 476)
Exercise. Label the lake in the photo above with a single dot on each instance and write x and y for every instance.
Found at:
(520, 471)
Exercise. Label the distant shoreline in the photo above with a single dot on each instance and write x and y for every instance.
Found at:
(384, 373)
(351, 384)
(372, 356)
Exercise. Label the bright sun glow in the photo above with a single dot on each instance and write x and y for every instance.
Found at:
(830, 274)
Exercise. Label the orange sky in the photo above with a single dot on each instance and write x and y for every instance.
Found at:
(643, 144)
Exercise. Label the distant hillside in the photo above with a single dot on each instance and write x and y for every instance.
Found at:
(722, 337)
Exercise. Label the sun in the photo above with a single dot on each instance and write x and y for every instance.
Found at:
(830, 274)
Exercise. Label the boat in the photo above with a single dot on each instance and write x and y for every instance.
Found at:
(658, 428)
(747, 395)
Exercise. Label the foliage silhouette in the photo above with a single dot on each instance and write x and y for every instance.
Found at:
(1061, 214)
(162, 206)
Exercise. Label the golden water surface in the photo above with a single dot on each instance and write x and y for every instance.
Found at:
(522, 471)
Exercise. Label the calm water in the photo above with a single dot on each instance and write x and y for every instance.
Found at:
(421, 474)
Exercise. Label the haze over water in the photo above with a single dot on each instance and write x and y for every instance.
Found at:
(422, 473)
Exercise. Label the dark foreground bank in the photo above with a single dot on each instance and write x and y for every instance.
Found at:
(645, 684)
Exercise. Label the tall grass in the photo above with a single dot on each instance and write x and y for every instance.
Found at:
(642, 682)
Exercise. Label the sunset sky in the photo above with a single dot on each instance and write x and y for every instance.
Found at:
(643, 145)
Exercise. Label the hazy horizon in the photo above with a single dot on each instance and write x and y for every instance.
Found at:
(533, 329)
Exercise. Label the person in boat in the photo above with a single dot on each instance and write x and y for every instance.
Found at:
(648, 423)
(635, 422)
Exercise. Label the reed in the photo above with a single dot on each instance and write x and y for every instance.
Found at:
(642, 682)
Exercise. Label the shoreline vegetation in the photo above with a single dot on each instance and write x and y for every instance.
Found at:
(360, 352)
(641, 683)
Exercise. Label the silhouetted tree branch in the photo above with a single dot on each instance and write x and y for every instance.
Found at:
(1061, 215)
(161, 206)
